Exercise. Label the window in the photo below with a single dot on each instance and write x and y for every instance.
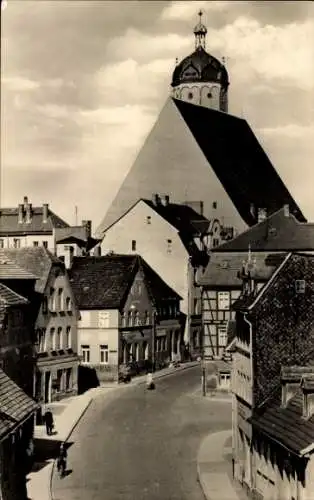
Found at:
(85, 352)
(209, 95)
(130, 318)
(59, 338)
(123, 319)
(103, 319)
(35, 243)
(16, 243)
(222, 336)
(52, 339)
(190, 95)
(169, 246)
(42, 340)
(147, 318)
(1, 243)
(68, 304)
(133, 245)
(137, 319)
(148, 219)
(104, 354)
(215, 242)
(300, 286)
(45, 244)
(45, 305)
(223, 300)
(214, 204)
(68, 337)
(52, 302)
(60, 299)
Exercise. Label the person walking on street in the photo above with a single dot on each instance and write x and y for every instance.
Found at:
(62, 460)
(49, 421)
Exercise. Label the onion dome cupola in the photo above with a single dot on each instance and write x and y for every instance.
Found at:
(200, 78)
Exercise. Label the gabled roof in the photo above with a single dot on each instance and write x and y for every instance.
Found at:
(181, 217)
(295, 266)
(285, 425)
(9, 270)
(15, 405)
(238, 160)
(10, 298)
(224, 267)
(104, 282)
(35, 260)
(279, 232)
(9, 224)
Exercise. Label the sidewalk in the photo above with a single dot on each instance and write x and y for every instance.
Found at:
(67, 413)
(214, 468)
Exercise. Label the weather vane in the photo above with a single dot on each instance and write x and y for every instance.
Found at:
(200, 14)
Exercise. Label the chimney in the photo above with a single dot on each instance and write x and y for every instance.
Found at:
(68, 258)
(156, 199)
(290, 381)
(167, 199)
(307, 385)
(20, 213)
(261, 214)
(28, 218)
(286, 210)
(88, 226)
(45, 212)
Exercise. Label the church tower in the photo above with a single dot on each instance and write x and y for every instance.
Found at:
(200, 78)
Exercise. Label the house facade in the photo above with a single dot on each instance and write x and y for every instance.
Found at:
(274, 329)
(174, 239)
(221, 285)
(55, 317)
(29, 226)
(128, 314)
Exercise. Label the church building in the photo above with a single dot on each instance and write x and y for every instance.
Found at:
(199, 155)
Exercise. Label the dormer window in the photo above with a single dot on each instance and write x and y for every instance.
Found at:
(299, 286)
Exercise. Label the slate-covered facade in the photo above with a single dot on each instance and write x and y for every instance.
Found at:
(128, 313)
(274, 335)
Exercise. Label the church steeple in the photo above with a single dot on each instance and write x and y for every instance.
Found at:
(200, 32)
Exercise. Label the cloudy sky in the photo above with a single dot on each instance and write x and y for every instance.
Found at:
(84, 81)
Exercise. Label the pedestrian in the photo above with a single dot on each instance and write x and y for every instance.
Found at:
(49, 421)
(62, 460)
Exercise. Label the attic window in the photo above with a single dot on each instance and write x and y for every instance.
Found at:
(299, 286)
(148, 219)
(133, 245)
(169, 246)
(214, 204)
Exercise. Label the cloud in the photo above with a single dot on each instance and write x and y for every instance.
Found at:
(19, 84)
(282, 53)
(187, 10)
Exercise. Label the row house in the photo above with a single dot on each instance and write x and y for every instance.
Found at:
(127, 313)
(272, 423)
(55, 318)
(30, 226)
(17, 376)
(279, 233)
(221, 286)
(174, 239)
(17, 417)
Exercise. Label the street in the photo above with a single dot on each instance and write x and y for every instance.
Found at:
(138, 445)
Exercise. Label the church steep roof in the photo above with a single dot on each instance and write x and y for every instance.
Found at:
(238, 160)
(197, 153)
